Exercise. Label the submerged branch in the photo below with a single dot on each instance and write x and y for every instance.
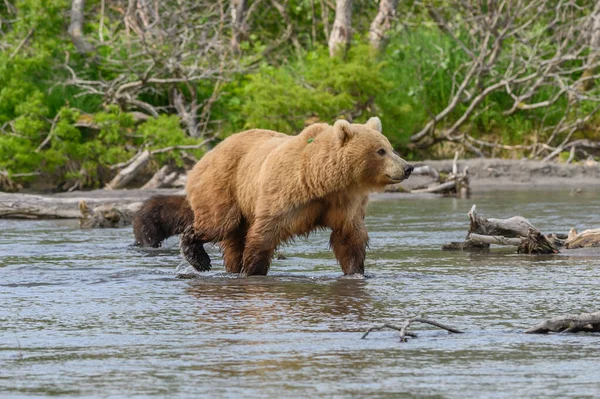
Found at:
(403, 330)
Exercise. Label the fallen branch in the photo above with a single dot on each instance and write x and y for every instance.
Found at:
(183, 147)
(165, 177)
(403, 331)
(128, 173)
(22, 43)
(589, 322)
(136, 164)
(50, 133)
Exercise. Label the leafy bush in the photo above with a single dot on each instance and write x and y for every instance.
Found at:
(315, 87)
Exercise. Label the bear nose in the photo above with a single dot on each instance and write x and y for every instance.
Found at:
(408, 170)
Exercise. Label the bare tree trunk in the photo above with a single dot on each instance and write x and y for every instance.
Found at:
(282, 11)
(76, 27)
(594, 49)
(325, 17)
(382, 22)
(238, 11)
(341, 33)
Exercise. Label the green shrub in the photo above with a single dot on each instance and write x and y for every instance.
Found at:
(315, 86)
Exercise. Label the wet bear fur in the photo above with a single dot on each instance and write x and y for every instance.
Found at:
(161, 217)
(260, 188)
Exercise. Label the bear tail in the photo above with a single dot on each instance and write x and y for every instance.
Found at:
(193, 251)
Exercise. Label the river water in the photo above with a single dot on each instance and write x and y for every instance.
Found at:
(83, 314)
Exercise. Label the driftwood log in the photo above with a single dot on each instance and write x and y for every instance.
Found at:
(99, 208)
(589, 322)
(587, 238)
(515, 231)
(519, 232)
(454, 184)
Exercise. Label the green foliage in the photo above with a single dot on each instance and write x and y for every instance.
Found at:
(285, 80)
(165, 131)
(315, 86)
(419, 64)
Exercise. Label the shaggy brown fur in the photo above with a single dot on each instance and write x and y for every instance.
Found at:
(161, 217)
(259, 188)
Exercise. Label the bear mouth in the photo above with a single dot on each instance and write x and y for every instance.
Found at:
(395, 179)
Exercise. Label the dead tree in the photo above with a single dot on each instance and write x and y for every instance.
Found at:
(382, 22)
(585, 322)
(505, 53)
(238, 21)
(594, 40)
(76, 27)
(341, 32)
(198, 52)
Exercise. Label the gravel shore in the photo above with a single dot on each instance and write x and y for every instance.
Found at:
(509, 174)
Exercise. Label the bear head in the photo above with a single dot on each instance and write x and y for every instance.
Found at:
(372, 158)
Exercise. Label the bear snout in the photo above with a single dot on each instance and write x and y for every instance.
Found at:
(408, 170)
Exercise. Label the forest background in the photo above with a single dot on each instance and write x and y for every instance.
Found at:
(90, 88)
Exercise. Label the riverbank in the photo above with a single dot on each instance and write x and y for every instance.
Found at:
(489, 173)
(484, 174)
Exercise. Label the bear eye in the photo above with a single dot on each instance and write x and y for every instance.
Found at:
(381, 152)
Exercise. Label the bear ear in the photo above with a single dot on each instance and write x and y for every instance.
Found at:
(343, 130)
(374, 123)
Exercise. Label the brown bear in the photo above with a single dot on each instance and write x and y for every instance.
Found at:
(260, 188)
(161, 217)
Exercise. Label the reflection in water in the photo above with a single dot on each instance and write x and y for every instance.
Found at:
(84, 315)
(255, 303)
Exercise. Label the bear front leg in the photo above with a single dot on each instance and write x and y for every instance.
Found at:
(350, 247)
(261, 243)
(192, 249)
